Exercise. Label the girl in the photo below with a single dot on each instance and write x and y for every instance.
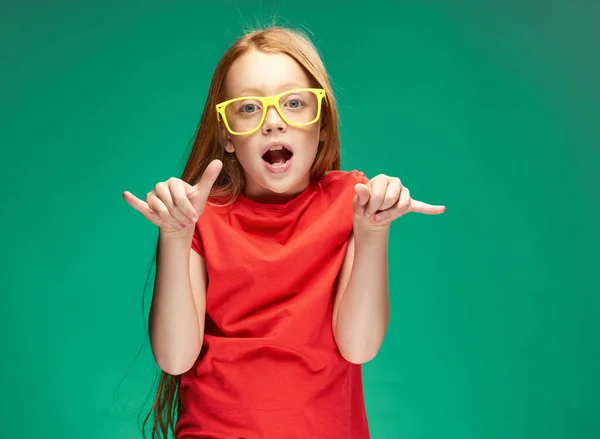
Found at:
(271, 286)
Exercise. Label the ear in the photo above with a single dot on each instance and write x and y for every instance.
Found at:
(323, 133)
(225, 139)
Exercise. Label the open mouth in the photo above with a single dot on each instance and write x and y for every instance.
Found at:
(277, 156)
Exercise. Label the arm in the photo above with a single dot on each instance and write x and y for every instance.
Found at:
(176, 321)
(362, 309)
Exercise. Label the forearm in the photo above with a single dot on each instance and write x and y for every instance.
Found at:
(174, 328)
(364, 309)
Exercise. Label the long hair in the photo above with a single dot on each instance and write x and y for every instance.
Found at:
(230, 183)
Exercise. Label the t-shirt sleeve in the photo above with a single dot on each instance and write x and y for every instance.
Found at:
(197, 242)
(360, 177)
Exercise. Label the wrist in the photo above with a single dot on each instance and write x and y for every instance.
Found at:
(367, 227)
(370, 232)
(184, 235)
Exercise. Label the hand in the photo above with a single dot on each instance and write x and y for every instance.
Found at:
(383, 199)
(175, 205)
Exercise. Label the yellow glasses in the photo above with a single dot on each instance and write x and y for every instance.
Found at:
(245, 115)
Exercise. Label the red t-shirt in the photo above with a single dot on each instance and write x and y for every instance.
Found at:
(269, 366)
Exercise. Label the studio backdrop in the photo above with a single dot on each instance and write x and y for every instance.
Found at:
(489, 108)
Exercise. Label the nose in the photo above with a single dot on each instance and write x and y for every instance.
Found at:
(273, 122)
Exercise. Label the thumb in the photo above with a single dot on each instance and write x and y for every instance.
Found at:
(199, 193)
(363, 194)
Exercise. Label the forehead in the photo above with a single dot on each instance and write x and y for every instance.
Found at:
(260, 73)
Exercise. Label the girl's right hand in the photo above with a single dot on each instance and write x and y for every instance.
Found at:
(175, 205)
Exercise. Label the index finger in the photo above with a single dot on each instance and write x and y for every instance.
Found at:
(428, 209)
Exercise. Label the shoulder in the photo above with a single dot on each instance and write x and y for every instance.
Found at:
(336, 190)
(343, 178)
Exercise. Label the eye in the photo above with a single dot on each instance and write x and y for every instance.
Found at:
(295, 103)
(248, 108)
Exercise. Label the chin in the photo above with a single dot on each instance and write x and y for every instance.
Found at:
(290, 187)
(276, 191)
(265, 181)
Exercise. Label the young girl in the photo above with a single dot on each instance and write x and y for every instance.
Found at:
(271, 286)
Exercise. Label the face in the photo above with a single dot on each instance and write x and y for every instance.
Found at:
(257, 73)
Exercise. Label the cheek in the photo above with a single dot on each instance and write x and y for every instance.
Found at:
(247, 153)
(243, 147)
(310, 137)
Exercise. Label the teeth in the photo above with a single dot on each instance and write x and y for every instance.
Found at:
(276, 148)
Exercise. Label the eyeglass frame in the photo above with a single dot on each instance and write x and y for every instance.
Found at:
(268, 101)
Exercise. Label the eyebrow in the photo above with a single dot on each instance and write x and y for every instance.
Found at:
(258, 92)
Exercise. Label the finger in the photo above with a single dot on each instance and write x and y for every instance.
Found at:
(159, 208)
(363, 193)
(378, 190)
(392, 194)
(428, 209)
(178, 190)
(163, 192)
(199, 193)
(142, 207)
(401, 207)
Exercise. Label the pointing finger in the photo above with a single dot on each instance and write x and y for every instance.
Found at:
(428, 209)
(142, 207)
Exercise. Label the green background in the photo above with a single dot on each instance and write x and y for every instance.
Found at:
(490, 108)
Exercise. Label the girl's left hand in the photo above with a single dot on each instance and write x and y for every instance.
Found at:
(384, 199)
